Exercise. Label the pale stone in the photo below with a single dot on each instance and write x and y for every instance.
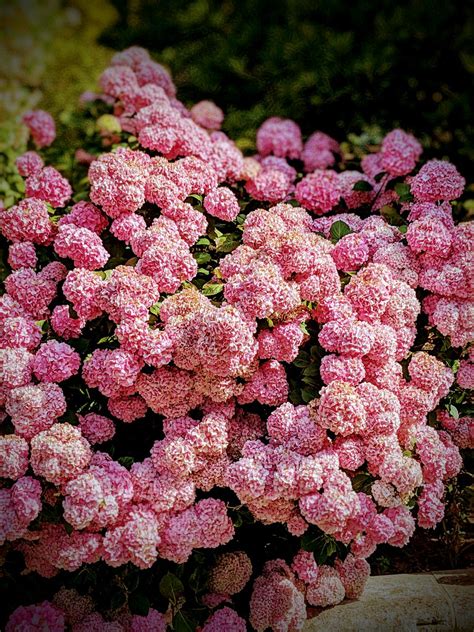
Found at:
(403, 603)
(460, 587)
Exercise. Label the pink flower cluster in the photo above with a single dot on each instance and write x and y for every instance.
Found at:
(318, 281)
(41, 126)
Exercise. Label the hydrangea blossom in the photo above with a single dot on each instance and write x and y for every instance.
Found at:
(41, 127)
(264, 330)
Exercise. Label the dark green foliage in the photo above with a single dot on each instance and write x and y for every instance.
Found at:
(335, 65)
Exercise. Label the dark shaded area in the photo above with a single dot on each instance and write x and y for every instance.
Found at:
(334, 65)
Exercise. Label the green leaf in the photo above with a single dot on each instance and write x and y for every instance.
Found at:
(69, 417)
(155, 309)
(331, 547)
(211, 289)
(402, 189)
(362, 185)
(338, 230)
(311, 370)
(202, 257)
(304, 328)
(391, 214)
(453, 411)
(301, 362)
(226, 243)
(139, 604)
(41, 324)
(238, 521)
(361, 481)
(310, 542)
(183, 623)
(171, 586)
(203, 241)
(307, 396)
(197, 579)
(126, 461)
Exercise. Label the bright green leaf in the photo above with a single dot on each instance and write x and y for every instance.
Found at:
(453, 411)
(211, 289)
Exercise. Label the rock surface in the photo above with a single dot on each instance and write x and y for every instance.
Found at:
(434, 602)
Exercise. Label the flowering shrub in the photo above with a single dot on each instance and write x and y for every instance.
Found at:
(225, 379)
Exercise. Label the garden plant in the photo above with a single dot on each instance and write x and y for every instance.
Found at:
(225, 379)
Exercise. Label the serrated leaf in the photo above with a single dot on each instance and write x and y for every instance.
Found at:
(171, 586)
(362, 185)
(338, 230)
(211, 289)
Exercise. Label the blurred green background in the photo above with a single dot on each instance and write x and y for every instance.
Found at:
(333, 65)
